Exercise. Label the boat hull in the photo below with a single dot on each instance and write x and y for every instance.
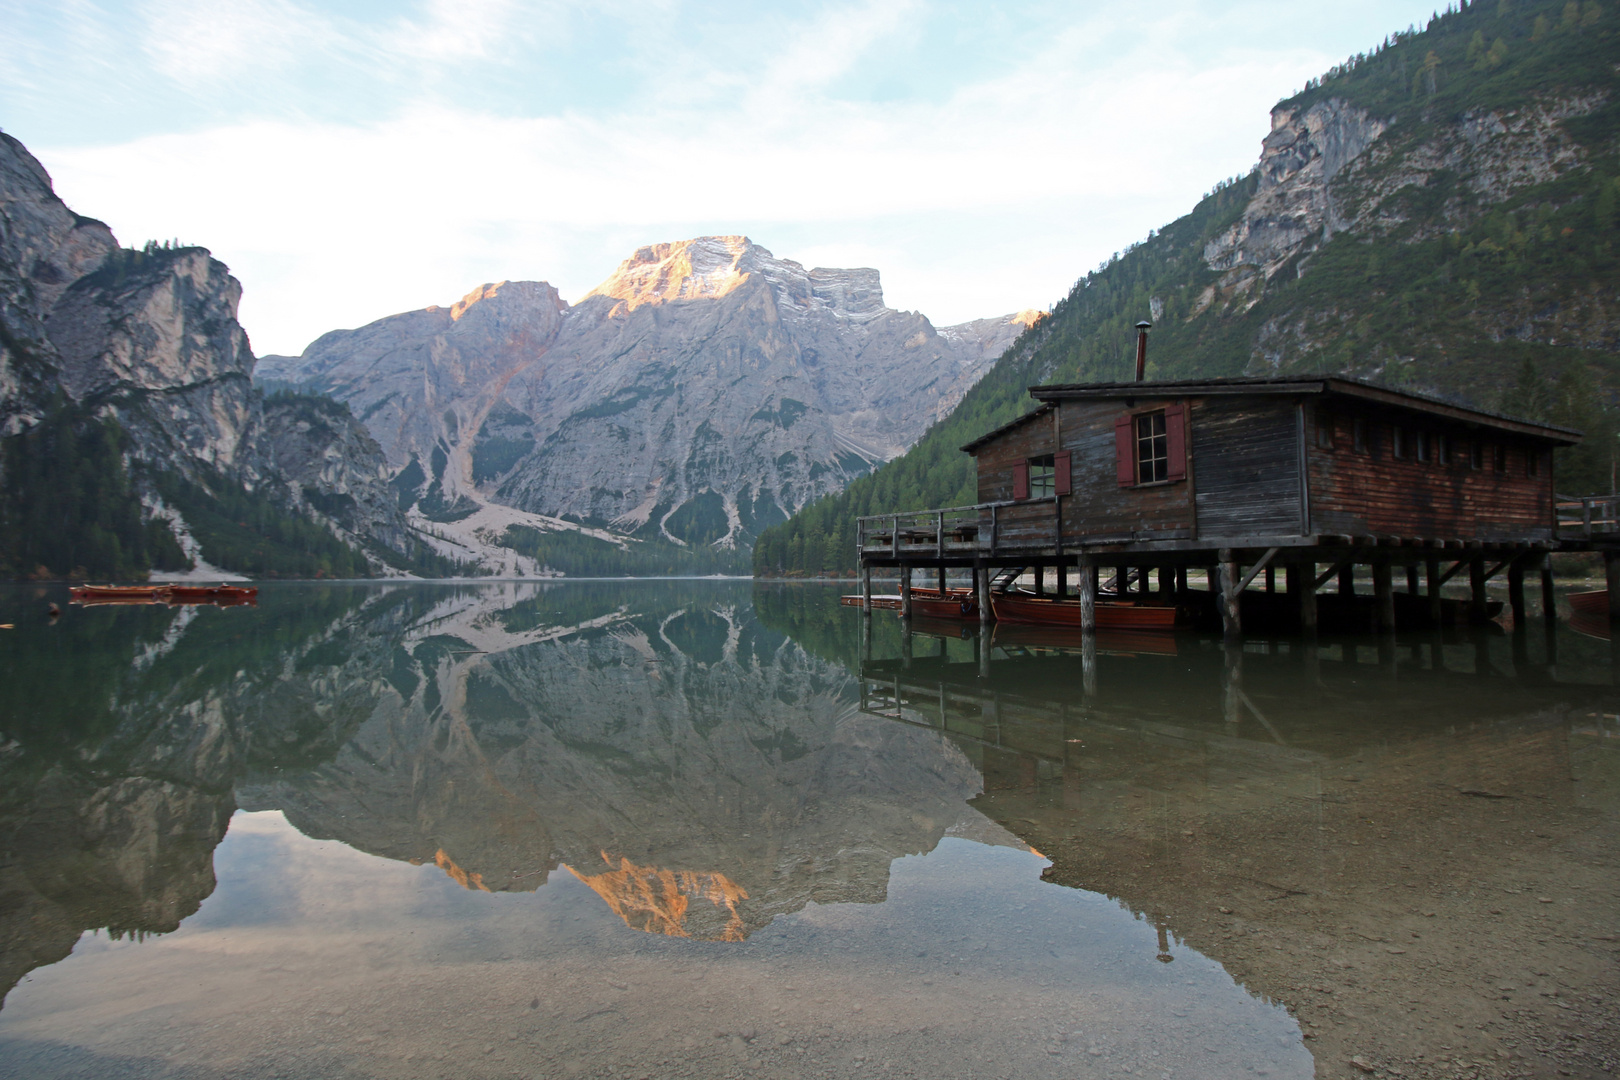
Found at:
(1050, 611)
(951, 604)
(1590, 603)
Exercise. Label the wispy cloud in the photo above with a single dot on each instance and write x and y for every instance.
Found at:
(987, 183)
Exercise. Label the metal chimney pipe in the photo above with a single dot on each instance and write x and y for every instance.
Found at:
(1141, 349)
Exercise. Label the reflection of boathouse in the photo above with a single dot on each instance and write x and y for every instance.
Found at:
(1235, 478)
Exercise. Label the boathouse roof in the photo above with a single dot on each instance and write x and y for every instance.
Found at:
(1295, 385)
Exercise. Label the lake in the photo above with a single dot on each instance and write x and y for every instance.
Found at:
(725, 829)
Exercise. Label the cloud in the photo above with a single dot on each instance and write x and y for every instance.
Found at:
(198, 42)
(990, 192)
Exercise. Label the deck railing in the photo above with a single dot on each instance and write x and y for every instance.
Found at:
(1587, 516)
(980, 529)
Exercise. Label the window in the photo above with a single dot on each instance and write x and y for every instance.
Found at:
(1042, 477)
(1420, 446)
(1324, 430)
(1398, 444)
(1149, 447)
(1532, 462)
(1476, 455)
(1358, 435)
(1152, 448)
(1442, 450)
(1499, 458)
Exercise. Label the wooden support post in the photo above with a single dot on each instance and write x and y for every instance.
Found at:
(942, 582)
(1307, 597)
(1271, 578)
(1412, 587)
(1611, 570)
(981, 582)
(1088, 596)
(1062, 579)
(1516, 594)
(1384, 596)
(905, 592)
(905, 646)
(1549, 599)
(1181, 580)
(1432, 569)
(1476, 589)
(1231, 607)
(1347, 579)
(866, 589)
(1040, 580)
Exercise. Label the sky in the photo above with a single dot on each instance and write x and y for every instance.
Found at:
(350, 159)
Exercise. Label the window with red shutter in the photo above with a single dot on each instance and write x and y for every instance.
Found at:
(1124, 451)
(1175, 424)
(1021, 480)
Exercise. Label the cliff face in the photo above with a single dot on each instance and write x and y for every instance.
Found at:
(148, 342)
(699, 393)
(44, 247)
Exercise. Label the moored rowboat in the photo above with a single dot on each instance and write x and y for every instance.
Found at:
(951, 604)
(1011, 607)
(1590, 603)
(119, 592)
(212, 592)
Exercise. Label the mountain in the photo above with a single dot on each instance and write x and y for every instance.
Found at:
(1439, 214)
(131, 436)
(702, 392)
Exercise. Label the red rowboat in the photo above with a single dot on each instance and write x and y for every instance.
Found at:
(147, 593)
(951, 604)
(1590, 603)
(193, 593)
(1032, 610)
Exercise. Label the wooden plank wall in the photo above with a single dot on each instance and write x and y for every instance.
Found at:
(1101, 508)
(1373, 492)
(1245, 455)
(996, 459)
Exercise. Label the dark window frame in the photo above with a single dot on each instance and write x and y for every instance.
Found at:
(1042, 476)
(1150, 439)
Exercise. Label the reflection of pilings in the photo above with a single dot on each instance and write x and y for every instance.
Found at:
(905, 643)
(981, 652)
(1232, 682)
(1088, 664)
(1549, 599)
(1384, 597)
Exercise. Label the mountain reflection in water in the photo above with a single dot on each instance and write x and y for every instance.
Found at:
(752, 767)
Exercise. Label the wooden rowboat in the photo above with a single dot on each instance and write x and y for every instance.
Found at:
(1590, 603)
(951, 604)
(1027, 609)
(225, 593)
(119, 592)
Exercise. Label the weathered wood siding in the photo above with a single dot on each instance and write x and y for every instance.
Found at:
(996, 459)
(1371, 492)
(1245, 454)
(1100, 508)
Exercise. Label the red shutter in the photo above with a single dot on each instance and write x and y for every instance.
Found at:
(1124, 451)
(1063, 472)
(1175, 426)
(1021, 480)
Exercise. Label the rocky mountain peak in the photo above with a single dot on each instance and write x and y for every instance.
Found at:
(707, 267)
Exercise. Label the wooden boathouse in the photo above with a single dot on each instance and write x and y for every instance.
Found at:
(1130, 487)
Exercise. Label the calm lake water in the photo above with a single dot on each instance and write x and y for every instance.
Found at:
(672, 829)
